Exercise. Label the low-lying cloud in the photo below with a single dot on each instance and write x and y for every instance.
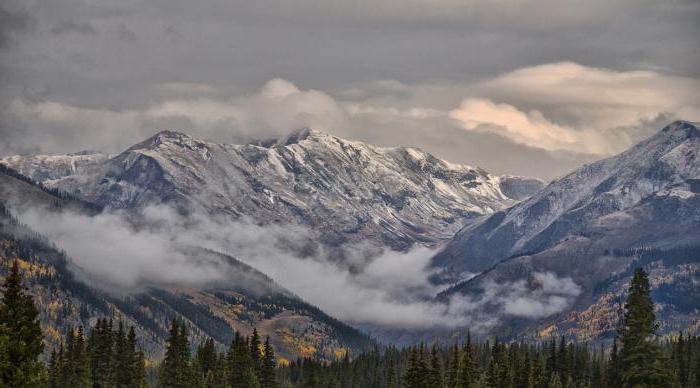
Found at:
(371, 286)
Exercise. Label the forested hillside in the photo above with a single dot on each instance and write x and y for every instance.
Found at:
(246, 300)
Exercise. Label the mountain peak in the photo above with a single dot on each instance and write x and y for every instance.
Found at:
(293, 137)
(165, 136)
(682, 126)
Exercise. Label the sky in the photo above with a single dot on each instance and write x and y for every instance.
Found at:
(518, 87)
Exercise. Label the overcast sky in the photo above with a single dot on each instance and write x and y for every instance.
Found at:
(519, 87)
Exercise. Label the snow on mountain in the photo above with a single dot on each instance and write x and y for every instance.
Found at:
(604, 195)
(589, 230)
(345, 190)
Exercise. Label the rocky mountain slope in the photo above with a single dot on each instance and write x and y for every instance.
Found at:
(245, 299)
(587, 231)
(344, 190)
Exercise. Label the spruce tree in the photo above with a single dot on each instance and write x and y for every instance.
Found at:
(613, 368)
(413, 378)
(79, 361)
(434, 373)
(255, 356)
(641, 361)
(269, 364)
(20, 335)
(174, 372)
(241, 370)
(468, 373)
(206, 356)
(452, 370)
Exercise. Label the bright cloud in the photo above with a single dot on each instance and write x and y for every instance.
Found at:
(530, 128)
(558, 107)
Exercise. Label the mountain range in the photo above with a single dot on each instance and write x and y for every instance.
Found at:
(345, 191)
(592, 227)
(548, 260)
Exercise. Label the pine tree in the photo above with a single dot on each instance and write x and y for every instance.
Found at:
(101, 354)
(434, 373)
(640, 359)
(493, 370)
(537, 376)
(206, 356)
(551, 366)
(413, 377)
(54, 371)
(122, 359)
(79, 362)
(20, 335)
(613, 369)
(269, 364)
(468, 370)
(255, 356)
(391, 380)
(241, 370)
(133, 362)
(452, 370)
(563, 358)
(522, 378)
(174, 371)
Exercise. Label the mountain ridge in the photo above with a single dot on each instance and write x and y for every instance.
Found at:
(347, 190)
(590, 229)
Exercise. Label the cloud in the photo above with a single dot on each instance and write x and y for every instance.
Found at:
(548, 119)
(529, 128)
(125, 253)
(13, 20)
(568, 106)
(68, 27)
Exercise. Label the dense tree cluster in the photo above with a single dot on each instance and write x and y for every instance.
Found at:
(636, 359)
(110, 356)
(246, 364)
(20, 335)
(107, 358)
(553, 364)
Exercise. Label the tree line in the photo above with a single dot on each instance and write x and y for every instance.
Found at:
(110, 356)
(636, 359)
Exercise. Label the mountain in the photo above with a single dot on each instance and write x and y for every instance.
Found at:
(345, 191)
(245, 298)
(584, 234)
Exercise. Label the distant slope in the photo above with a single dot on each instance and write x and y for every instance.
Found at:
(344, 190)
(646, 196)
(592, 227)
(247, 299)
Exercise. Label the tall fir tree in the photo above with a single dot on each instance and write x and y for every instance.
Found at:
(79, 361)
(269, 364)
(174, 371)
(452, 368)
(20, 335)
(255, 355)
(468, 372)
(413, 374)
(641, 361)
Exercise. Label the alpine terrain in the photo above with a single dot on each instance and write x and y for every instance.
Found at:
(572, 247)
(343, 190)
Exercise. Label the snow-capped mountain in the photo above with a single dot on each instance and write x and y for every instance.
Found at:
(569, 249)
(617, 202)
(242, 299)
(344, 190)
